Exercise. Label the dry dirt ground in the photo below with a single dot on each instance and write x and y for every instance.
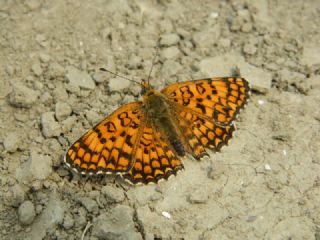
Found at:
(264, 185)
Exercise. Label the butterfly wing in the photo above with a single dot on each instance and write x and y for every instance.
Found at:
(109, 146)
(216, 99)
(206, 109)
(154, 158)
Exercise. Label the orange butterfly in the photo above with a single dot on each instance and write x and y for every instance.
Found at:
(144, 141)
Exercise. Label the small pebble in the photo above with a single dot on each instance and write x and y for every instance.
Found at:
(36, 68)
(9, 70)
(214, 15)
(80, 78)
(50, 127)
(39, 166)
(62, 110)
(118, 84)
(225, 42)
(134, 62)
(198, 196)
(22, 96)
(166, 214)
(98, 78)
(90, 204)
(18, 195)
(169, 39)
(44, 57)
(107, 224)
(56, 70)
(68, 221)
(249, 49)
(26, 213)
(267, 167)
(11, 142)
(113, 194)
(170, 53)
(166, 25)
(247, 27)
(170, 68)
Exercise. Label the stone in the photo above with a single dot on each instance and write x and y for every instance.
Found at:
(118, 84)
(22, 96)
(112, 194)
(98, 78)
(50, 127)
(90, 204)
(80, 78)
(205, 39)
(56, 70)
(10, 70)
(117, 224)
(26, 213)
(68, 221)
(154, 225)
(169, 39)
(44, 57)
(11, 142)
(36, 69)
(225, 43)
(220, 66)
(249, 49)
(200, 195)
(246, 27)
(92, 116)
(81, 218)
(134, 62)
(170, 53)
(62, 110)
(60, 93)
(166, 25)
(39, 165)
(68, 124)
(170, 68)
(17, 197)
(143, 195)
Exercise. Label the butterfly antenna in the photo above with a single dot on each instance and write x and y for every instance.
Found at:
(153, 61)
(117, 75)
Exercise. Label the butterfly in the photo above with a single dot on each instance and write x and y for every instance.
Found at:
(144, 141)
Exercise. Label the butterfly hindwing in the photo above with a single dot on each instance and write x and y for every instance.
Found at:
(108, 147)
(154, 158)
(207, 133)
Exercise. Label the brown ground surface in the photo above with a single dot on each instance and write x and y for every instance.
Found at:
(264, 185)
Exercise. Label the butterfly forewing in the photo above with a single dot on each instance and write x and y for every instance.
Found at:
(217, 99)
(109, 146)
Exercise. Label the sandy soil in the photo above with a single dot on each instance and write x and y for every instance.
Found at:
(264, 185)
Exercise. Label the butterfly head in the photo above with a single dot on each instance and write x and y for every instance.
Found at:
(146, 87)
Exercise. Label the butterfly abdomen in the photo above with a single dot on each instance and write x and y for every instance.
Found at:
(163, 120)
(177, 145)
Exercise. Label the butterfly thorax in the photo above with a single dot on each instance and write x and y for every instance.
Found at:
(163, 118)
